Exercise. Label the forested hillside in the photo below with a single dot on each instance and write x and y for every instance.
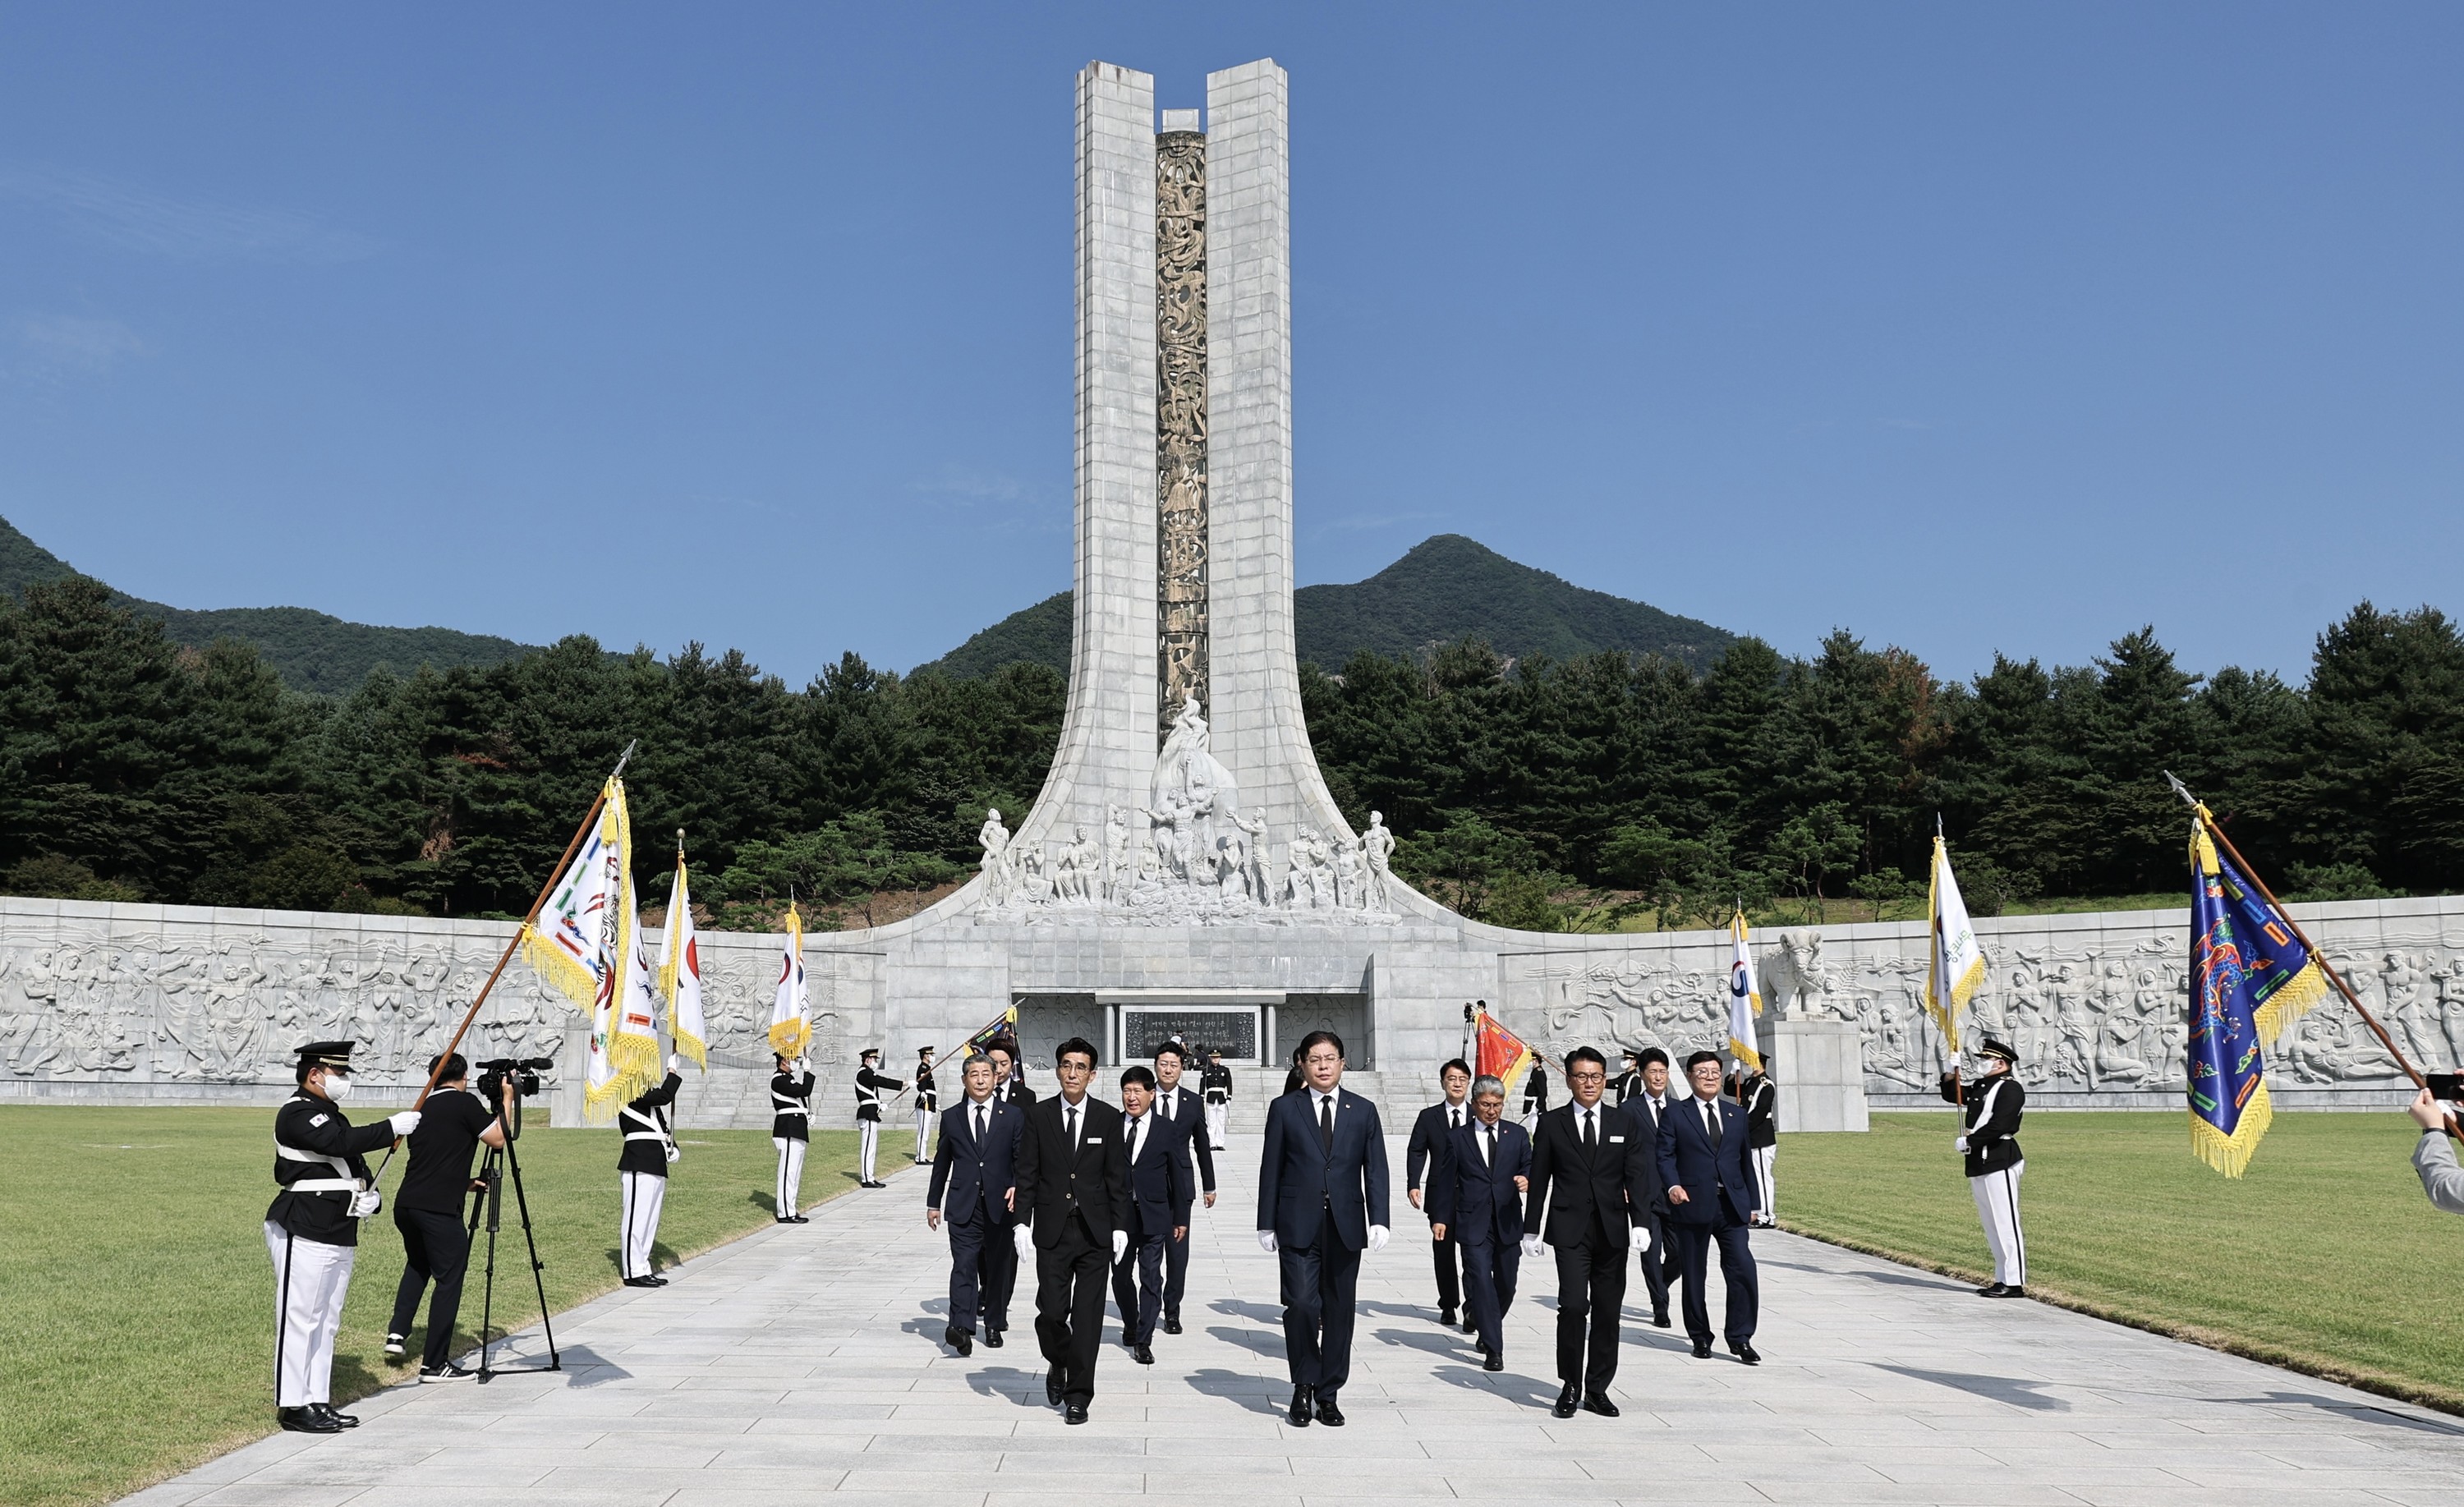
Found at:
(131, 766)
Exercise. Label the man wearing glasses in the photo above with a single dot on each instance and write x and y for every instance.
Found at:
(1321, 1202)
(1591, 1173)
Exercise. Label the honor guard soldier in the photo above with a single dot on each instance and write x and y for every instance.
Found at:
(928, 1106)
(1629, 1083)
(1214, 1087)
(791, 1131)
(1992, 1107)
(870, 1086)
(1535, 1097)
(642, 1169)
(1760, 1099)
(312, 1231)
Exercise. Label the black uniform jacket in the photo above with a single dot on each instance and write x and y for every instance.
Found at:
(1055, 1180)
(1994, 1106)
(306, 1123)
(791, 1106)
(869, 1086)
(647, 1156)
(1761, 1098)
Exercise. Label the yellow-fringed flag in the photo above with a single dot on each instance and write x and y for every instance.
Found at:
(1745, 998)
(1958, 963)
(1500, 1054)
(680, 971)
(1004, 1024)
(582, 944)
(2251, 978)
(791, 1010)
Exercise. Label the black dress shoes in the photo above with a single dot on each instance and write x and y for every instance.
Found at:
(1990, 1290)
(2008, 1292)
(1446, 1316)
(1492, 1362)
(1702, 1349)
(641, 1281)
(798, 1219)
(305, 1420)
(960, 1339)
(1568, 1401)
(1172, 1323)
(1075, 1413)
(1302, 1410)
(1329, 1414)
(1053, 1387)
(992, 1337)
(1746, 1353)
(1598, 1403)
(1144, 1355)
(339, 1420)
(1659, 1318)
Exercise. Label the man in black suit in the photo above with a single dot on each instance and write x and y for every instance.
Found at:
(1711, 1197)
(1074, 1189)
(1009, 1087)
(1321, 1202)
(1590, 1174)
(1009, 1078)
(1157, 1164)
(1185, 1113)
(1476, 1191)
(1645, 1108)
(1431, 1134)
(974, 1169)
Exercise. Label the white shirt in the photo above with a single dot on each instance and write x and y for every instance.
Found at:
(1586, 1128)
(1325, 1105)
(1080, 1109)
(1137, 1132)
(1458, 1116)
(1486, 1136)
(1711, 1117)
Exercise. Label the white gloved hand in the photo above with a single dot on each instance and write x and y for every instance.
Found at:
(404, 1120)
(1532, 1246)
(1639, 1238)
(1378, 1234)
(1959, 1143)
(367, 1203)
(1266, 1242)
(1120, 1243)
(672, 1061)
(1022, 1239)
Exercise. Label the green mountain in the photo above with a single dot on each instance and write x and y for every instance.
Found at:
(312, 651)
(1446, 588)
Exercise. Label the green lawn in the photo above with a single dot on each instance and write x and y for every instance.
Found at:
(136, 1296)
(2325, 1257)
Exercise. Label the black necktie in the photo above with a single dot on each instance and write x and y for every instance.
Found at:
(1072, 1131)
(979, 1124)
(1493, 1146)
(1325, 1122)
(1591, 1139)
(1453, 1118)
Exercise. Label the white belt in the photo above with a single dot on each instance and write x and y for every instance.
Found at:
(347, 1182)
(324, 1185)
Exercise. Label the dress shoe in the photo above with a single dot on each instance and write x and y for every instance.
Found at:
(1328, 1413)
(2010, 1292)
(958, 1339)
(798, 1219)
(1568, 1401)
(1746, 1352)
(1992, 1290)
(1659, 1318)
(1469, 1326)
(1053, 1387)
(1075, 1413)
(641, 1281)
(326, 1412)
(1702, 1349)
(1598, 1403)
(305, 1420)
(1446, 1316)
(992, 1337)
(654, 1280)
(448, 1373)
(1172, 1323)
(1144, 1355)
(1492, 1362)
(1302, 1413)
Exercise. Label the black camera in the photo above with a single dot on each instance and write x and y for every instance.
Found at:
(522, 1072)
(2448, 1086)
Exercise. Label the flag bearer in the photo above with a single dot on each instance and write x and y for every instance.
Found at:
(870, 1086)
(1214, 1087)
(791, 1131)
(1993, 1103)
(641, 1175)
(928, 1106)
(1760, 1099)
(312, 1229)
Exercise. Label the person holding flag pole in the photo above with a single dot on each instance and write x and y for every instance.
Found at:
(1989, 1134)
(1754, 1091)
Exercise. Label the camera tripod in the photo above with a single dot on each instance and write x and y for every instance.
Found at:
(490, 1206)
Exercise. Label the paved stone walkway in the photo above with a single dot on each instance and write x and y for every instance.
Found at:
(802, 1365)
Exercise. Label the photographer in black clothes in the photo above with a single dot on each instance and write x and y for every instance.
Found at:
(428, 1211)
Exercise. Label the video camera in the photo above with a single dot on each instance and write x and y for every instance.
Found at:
(520, 1074)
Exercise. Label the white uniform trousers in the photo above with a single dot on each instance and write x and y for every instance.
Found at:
(1997, 1209)
(1219, 1119)
(791, 1174)
(868, 1146)
(646, 1193)
(1765, 1186)
(923, 1135)
(311, 1278)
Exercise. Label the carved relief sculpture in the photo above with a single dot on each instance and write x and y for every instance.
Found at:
(1180, 421)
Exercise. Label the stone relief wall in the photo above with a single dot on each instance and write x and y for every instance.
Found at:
(1180, 423)
(176, 1003)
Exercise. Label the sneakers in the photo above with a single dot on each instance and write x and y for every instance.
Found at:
(393, 1347)
(448, 1373)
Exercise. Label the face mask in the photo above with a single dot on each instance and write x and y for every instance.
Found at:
(336, 1088)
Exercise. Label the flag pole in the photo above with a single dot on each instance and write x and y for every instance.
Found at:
(1937, 967)
(493, 973)
(2208, 824)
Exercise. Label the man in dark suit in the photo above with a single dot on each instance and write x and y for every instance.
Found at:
(1009, 1078)
(1711, 1197)
(1321, 1202)
(1156, 1163)
(1073, 1190)
(973, 1180)
(1431, 1134)
(1645, 1108)
(1009, 1087)
(1590, 1173)
(1476, 1189)
(1185, 1113)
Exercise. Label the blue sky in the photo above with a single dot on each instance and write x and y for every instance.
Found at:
(1961, 327)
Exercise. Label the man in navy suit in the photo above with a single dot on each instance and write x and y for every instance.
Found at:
(973, 1181)
(1590, 1174)
(1711, 1197)
(1185, 1112)
(1431, 1133)
(1646, 1106)
(1157, 1160)
(1073, 1193)
(1476, 1188)
(1321, 1202)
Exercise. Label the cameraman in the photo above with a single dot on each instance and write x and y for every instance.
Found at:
(2434, 1157)
(428, 1211)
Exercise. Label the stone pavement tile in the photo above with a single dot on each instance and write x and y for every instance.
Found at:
(248, 1494)
(169, 1493)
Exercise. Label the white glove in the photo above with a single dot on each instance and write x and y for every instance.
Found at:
(1959, 1143)
(1378, 1234)
(1266, 1242)
(1532, 1246)
(404, 1120)
(1639, 1238)
(672, 1059)
(362, 1205)
(1024, 1239)
(1120, 1243)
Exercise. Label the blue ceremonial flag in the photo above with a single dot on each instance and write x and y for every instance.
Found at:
(2251, 978)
